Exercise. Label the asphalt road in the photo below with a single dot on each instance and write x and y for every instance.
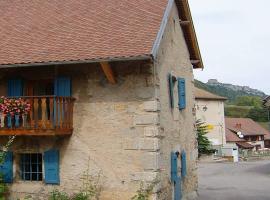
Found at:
(234, 181)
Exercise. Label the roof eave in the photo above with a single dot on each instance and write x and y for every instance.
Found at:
(189, 32)
(66, 62)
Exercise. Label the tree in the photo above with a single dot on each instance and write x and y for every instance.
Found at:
(204, 145)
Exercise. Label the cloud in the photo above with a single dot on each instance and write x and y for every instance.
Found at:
(234, 37)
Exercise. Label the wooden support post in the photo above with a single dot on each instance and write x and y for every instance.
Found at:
(107, 69)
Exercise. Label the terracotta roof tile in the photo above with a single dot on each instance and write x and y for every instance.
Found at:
(202, 94)
(246, 126)
(232, 137)
(245, 145)
(33, 31)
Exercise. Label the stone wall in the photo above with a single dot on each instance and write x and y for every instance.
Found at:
(114, 131)
(124, 132)
(177, 126)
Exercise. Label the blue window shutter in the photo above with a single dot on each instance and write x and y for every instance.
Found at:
(51, 165)
(173, 166)
(62, 86)
(6, 168)
(15, 87)
(184, 164)
(171, 84)
(181, 93)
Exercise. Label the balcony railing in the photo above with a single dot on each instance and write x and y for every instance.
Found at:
(49, 115)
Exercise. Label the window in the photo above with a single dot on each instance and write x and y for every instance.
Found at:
(31, 166)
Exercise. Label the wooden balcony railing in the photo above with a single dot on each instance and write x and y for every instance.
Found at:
(49, 115)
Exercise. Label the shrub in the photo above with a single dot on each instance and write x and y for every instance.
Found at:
(57, 195)
(204, 145)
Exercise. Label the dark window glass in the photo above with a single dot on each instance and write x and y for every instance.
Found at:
(31, 166)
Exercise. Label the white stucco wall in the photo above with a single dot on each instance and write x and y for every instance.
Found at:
(213, 116)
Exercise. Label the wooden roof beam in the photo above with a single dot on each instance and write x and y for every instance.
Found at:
(107, 69)
(184, 23)
(195, 61)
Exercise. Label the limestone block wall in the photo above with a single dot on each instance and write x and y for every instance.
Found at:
(178, 131)
(115, 133)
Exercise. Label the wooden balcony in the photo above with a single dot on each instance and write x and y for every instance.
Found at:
(49, 116)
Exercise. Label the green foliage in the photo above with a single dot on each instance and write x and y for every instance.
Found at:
(258, 114)
(253, 101)
(57, 195)
(237, 111)
(144, 192)
(204, 145)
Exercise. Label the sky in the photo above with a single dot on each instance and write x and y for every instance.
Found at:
(234, 39)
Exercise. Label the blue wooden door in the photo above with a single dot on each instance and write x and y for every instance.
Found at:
(175, 179)
(62, 87)
(15, 87)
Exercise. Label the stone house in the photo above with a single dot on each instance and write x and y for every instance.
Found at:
(210, 109)
(110, 89)
(251, 134)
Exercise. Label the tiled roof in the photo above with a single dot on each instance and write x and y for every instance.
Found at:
(245, 125)
(33, 31)
(53, 31)
(232, 137)
(202, 94)
(245, 145)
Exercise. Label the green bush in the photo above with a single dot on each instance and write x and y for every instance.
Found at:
(144, 192)
(204, 145)
(57, 195)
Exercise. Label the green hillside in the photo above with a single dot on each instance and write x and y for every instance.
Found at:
(222, 90)
(240, 103)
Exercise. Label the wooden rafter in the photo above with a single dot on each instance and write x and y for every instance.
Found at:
(184, 23)
(107, 69)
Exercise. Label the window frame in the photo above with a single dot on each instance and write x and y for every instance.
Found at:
(27, 159)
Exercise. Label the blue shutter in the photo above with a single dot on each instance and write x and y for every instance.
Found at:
(15, 87)
(176, 181)
(51, 165)
(181, 93)
(171, 95)
(62, 86)
(173, 166)
(184, 164)
(6, 168)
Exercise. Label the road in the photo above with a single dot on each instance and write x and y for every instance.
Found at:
(234, 181)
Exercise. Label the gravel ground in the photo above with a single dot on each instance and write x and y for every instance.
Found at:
(234, 181)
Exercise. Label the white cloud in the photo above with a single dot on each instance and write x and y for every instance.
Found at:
(234, 38)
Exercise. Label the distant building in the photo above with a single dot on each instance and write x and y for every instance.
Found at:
(212, 81)
(246, 133)
(210, 109)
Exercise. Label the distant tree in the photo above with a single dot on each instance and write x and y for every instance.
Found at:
(204, 145)
(253, 101)
(258, 114)
(237, 111)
